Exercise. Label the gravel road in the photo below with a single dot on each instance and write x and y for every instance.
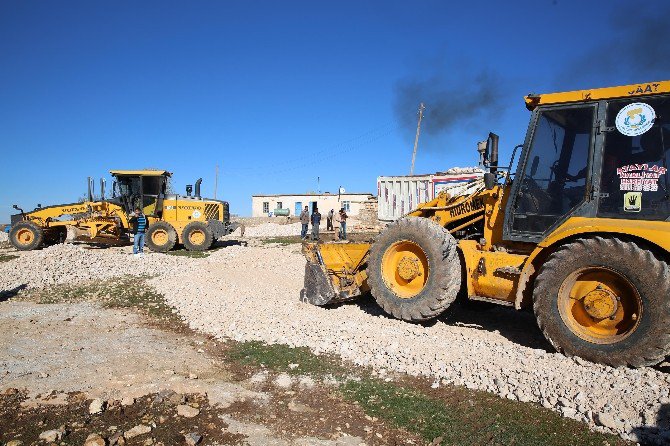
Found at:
(251, 293)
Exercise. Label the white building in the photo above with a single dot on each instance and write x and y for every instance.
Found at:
(265, 205)
(399, 195)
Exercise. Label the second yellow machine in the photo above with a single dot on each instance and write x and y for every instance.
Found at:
(190, 220)
(581, 232)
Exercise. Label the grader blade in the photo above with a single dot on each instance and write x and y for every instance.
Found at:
(335, 272)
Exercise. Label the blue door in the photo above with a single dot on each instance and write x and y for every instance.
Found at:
(298, 207)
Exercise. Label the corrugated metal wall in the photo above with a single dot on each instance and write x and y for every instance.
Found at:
(399, 195)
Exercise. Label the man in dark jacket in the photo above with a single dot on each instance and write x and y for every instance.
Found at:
(304, 220)
(316, 221)
(140, 226)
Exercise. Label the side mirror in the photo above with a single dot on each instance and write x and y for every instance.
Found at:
(488, 152)
(534, 165)
(489, 180)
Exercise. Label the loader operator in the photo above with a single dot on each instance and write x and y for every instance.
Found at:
(140, 226)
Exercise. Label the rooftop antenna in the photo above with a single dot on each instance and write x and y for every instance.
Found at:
(416, 139)
(318, 185)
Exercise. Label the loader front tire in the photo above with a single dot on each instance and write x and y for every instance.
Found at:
(26, 236)
(161, 237)
(197, 236)
(605, 299)
(414, 271)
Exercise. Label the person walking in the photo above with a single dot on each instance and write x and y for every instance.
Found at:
(316, 221)
(343, 224)
(140, 226)
(329, 220)
(304, 219)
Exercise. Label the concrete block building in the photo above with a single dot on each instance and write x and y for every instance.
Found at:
(292, 204)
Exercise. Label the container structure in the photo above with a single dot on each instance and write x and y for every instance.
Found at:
(399, 195)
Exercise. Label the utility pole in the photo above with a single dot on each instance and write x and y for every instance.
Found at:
(416, 139)
(216, 180)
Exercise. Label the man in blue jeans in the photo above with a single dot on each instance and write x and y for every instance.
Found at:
(343, 224)
(304, 220)
(140, 226)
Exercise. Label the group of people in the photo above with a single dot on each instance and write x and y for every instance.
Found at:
(340, 219)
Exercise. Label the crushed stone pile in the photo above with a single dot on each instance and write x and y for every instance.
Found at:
(4, 237)
(252, 294)
(65, 263)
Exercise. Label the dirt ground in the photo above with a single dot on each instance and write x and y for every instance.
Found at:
(78, 352)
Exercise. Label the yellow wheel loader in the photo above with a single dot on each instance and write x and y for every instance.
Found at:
(580, 232)
(190, 220)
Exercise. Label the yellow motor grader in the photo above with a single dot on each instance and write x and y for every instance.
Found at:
(580, 232)
(190, 220)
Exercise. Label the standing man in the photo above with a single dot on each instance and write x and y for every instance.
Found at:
(338, 221)
(140, 226)
(329, 220)
(316, 221)
(304, 219)
(343, 224)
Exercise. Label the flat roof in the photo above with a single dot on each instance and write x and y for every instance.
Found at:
(311, 195)
(147, 172)
(624, 91)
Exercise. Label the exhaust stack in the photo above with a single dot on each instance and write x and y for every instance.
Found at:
(197, 187)
(91, 188)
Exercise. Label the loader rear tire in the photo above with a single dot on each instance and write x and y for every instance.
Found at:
(605, 299)
(26, 236)
(161, 237)
(414, 271)
(197, 236)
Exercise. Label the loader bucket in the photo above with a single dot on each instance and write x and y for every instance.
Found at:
(318, 288)
(335, 272)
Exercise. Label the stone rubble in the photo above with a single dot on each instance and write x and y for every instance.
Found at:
(66, 264)
(252, 293)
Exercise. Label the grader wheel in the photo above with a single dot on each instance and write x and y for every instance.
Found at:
(605, 300)
(414, 271)
(197, 236)
(161, 237)
(26, 236)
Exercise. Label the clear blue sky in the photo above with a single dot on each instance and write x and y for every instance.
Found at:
(280, 93)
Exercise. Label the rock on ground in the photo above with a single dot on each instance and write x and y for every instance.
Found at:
(187, 411)
(136, 431)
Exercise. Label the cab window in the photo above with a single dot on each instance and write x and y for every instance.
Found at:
(634, 180)
(554, 178)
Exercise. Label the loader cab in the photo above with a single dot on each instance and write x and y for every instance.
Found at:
(605, 158)
(145, 189)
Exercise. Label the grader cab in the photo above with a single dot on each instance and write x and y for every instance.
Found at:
(580, 232)
(190, 220)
